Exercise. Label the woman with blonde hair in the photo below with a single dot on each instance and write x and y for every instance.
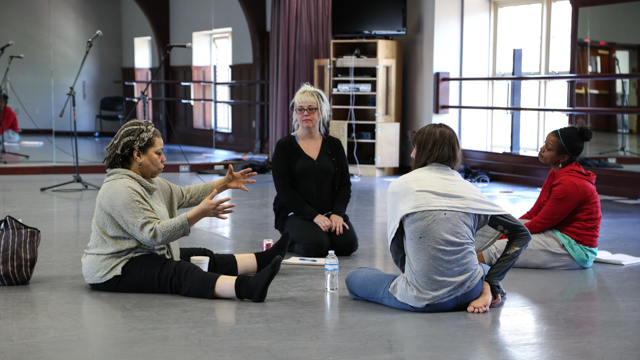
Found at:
(311, 176)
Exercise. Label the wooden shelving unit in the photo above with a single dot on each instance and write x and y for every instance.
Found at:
(367, 122)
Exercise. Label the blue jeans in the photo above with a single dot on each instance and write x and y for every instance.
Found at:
(371, 284)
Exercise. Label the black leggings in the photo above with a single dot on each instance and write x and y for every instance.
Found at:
(307, 239)
(158, 274)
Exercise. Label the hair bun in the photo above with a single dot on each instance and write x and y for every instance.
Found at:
(585, 133)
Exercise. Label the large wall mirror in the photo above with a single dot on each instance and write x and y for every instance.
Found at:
(607, 41)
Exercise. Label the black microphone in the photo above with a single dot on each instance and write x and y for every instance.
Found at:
(96, 35)
(187, 45)
(21, 56)
(6, 46)
(615, 57)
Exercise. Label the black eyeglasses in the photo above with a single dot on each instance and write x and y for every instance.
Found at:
(310, 110)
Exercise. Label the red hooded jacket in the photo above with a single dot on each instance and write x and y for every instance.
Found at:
(10, 120)
(568, 203)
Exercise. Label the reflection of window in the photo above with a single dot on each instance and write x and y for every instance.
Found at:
(142, 60)
(560, 37)
(221, 59)
(211, 50)
(542, 29)
(142, 52)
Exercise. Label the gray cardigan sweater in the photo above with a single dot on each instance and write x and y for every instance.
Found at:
(136, 216)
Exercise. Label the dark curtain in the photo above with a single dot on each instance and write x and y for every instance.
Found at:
(300, 33)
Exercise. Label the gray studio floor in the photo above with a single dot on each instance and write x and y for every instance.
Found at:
(587, 314)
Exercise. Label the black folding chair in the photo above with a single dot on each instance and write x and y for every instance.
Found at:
(111, 109)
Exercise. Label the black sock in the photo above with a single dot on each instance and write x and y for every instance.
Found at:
(254, 287)
(264, 258)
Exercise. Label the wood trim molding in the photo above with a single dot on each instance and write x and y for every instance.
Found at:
(49, 132)
(99, 168)
(527, 170)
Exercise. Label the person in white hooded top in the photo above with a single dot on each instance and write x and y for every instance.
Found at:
(433, 217)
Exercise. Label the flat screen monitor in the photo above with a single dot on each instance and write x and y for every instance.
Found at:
(355, 18)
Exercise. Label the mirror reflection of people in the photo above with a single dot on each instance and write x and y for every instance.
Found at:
(311, 176)
(565, 220)
(433, 215)
(136, 225)
(9, 125)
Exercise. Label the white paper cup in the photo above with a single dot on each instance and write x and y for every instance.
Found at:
(201, 261)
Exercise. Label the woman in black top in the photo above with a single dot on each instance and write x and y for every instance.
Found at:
(311, 176)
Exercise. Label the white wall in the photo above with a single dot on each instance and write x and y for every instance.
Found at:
(52, 35)
(447, 47)
(434, 43)
(134, 24)
(188, 16)
(417, 94)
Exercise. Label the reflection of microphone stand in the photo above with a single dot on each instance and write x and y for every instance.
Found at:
(625, 118)
(72, 95)
(143, 95)
(2, 91)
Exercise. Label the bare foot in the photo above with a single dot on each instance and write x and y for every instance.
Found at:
(481, 304)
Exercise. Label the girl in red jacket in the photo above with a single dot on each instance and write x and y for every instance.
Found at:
(565, 220)
(9, 125)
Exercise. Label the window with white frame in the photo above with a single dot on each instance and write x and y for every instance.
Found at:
(142, 52)
(542, 29)
(212, 52)
(142, 57)
(221, 61)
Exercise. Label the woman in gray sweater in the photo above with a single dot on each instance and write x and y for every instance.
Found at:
(135, 228)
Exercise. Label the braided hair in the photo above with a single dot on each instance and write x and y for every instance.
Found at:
(572, 139)
(133, 135)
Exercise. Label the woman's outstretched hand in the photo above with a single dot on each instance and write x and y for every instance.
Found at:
(210, 208)
(237, 180)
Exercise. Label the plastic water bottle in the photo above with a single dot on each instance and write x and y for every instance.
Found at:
(331, 272)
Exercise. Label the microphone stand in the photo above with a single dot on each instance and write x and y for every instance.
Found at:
(2, 90)
(143, 94)
(625, 103)
(72, 95)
